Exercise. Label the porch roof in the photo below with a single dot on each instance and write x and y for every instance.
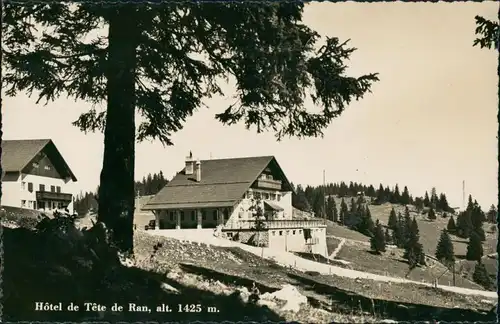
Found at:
(193, 205)
(273, 206)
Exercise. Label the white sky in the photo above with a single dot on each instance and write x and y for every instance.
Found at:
(430, 121)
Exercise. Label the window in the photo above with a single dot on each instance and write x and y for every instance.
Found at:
(214, 214)
(58, 189)
(300, 231)
(256, 195)
(182, 215)
(274, 233)
(23, 185)
(278, 197)
(203, 215)
(46, 167)
(52, 188)
(293, 232)
(265, 195)
(171, 216)
(35, 165)
(23, 203)
(281, 233)
(30, 187)
(42, 187)
(193, 215)
(287, 232)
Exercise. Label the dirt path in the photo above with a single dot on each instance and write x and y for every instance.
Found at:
(291, 260)
(338, 248)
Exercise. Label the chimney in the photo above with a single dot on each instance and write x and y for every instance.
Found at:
(189, 164)
(198, 170)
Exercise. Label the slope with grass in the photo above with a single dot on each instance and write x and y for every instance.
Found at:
(340, 295)
(429, 231)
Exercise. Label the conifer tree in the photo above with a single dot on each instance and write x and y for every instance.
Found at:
(343, 212)
(413, 249)
(405, 196)
(366, 225)
(434, 198)
(443, 203)
(329, 208)
(474, 248)
(407, 212)
(407, 227)
(451, 227)
(480, 276)
(492, 215)
(396, 197)
(431, 215)
(393, 219)
(377, 240)
(444, 249)
(464, 224)
(388, 236)
(427, 201)
(398, 235)
(419, 204)
(381, 198)
(335, 211)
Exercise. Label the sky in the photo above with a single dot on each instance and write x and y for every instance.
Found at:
(429, 122)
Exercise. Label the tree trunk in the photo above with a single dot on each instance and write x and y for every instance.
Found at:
(116, 190)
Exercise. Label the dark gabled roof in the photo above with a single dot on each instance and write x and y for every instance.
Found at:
(223, 182)
(17, 154)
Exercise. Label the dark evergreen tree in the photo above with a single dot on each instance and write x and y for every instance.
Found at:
(481, 277)
(451, 227)
(329, 208)
(431, 215)
(413, 249)
(434, 198)
(144, 64)
(491, 216)
(393, 219)
(427, 201)
(474, 248)
(444, 249)
(370, 192)
(388, 194)
(335, 212)
(366, 225)
(343, 212)
(464, 224)
(299, 199)
(406, 224)
(377, 240)
(442, 204)
(398, 235)
(419, 204)
(388, 236)
(396, 197)
(405, 196)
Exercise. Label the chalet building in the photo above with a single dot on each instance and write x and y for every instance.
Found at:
(223, 193)
(35, 175)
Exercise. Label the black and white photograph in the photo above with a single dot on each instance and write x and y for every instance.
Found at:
(308, 162)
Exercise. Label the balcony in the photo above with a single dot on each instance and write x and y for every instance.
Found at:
(48, 195)
(276, 224)
(268, 184)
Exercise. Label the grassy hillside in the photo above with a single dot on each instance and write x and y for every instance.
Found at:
(429, 230)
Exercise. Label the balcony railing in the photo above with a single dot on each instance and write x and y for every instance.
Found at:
(269, 184)
(48, 195)
(276, 224)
